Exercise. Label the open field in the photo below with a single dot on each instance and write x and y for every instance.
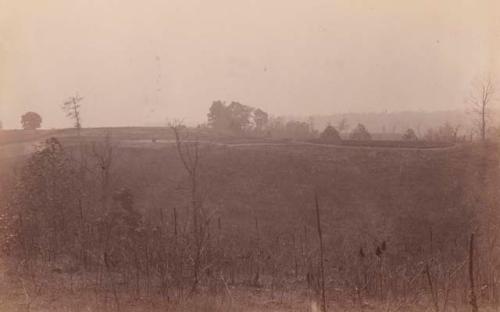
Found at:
(260, 249)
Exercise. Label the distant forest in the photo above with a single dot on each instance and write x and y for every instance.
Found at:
(396, 122)
(389, 125)
(238, 118)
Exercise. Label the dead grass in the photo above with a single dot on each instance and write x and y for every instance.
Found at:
(54, 295)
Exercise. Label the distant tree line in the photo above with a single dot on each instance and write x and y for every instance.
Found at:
(243, 120)
(238, 119)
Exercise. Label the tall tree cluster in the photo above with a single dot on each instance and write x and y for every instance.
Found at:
(236, 117)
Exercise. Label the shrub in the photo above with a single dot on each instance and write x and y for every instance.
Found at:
(360, 133)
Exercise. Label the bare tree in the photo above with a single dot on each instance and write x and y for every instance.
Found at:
(103, 154)
(473, 296)
(321, 263)
(480, 100)
(189, 156)
(72, 109)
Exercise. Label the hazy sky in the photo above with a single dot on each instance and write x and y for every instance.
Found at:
(139, 62)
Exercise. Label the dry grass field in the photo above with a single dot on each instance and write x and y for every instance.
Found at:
(395, 227)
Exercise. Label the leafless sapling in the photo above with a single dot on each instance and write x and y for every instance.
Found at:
(189, 154)
(480, 100)
(321, 256)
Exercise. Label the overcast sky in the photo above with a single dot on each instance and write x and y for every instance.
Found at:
(139, 62)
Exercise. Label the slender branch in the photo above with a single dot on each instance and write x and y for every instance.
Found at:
(473, 297)
(320, 237)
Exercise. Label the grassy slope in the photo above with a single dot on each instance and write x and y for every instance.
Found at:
(366, 195)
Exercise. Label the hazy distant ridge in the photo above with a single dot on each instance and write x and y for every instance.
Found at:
(396, 122)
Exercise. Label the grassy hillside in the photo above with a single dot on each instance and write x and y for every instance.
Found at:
(385, 212)
(365, 191)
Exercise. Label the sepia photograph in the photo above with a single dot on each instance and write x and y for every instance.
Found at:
(249, 155)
